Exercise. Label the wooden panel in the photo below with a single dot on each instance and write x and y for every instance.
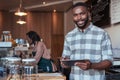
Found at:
(41, 23)
(57, 47)
(57, 36)
(58, 23)
(0, 22)
(7, 20)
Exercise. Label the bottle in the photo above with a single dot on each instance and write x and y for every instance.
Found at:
(7, 36)
(2, 38)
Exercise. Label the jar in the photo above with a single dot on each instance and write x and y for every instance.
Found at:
(29, 67)
(14, 67)
(6, 36)
(3, 69)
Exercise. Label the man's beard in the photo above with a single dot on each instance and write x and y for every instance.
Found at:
(82, 26)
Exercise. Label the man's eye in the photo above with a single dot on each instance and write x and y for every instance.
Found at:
(82, 13)
(75, 15)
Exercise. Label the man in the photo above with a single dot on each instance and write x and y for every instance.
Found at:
(87, 42)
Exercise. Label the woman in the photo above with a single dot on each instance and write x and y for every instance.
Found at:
(40, 52)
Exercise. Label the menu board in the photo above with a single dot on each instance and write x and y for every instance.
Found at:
(115, 11)
(101, 12)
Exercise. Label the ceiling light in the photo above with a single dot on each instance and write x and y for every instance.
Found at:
(20, 11)
(54, 10)
(20, 21)
(44, 2)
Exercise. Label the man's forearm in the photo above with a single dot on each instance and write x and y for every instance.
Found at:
(101, 65)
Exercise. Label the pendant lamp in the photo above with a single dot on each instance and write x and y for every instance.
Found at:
(20, 11)
(21, 21)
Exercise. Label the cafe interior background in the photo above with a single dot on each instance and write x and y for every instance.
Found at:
(52, 19)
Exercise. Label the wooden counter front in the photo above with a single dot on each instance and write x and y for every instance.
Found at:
(42, 76)
(51, 76)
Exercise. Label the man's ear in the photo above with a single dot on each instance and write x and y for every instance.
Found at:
(89, 16)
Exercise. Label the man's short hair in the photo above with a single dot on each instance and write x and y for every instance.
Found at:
(80, 4)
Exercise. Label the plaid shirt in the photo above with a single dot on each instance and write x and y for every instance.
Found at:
(93, 44)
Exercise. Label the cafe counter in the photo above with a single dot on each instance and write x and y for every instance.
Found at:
(39, 76)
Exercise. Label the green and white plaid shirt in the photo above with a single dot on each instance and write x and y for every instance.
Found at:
(93, 44)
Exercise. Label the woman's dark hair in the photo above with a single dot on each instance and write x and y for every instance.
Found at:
(33, 36)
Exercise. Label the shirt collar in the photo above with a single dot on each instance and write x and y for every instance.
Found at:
(86, 29)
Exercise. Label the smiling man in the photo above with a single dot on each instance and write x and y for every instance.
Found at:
(87, 42)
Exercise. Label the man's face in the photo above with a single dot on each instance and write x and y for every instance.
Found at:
(80, 16)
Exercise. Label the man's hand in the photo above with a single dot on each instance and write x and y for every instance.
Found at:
(62, 64)
(84, 65)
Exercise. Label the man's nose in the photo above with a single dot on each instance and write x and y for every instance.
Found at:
(79, 16)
